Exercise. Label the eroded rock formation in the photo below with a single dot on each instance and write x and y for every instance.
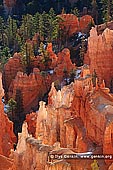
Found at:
(14, 79)
(32, 88)
(71, 24)
(69, 124)
(10, 70)
(100, 54)
(7, 137)
(6, 163)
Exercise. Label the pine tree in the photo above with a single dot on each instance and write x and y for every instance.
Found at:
(2, 27)
(44, 55)
(27, 56)
(82, 50)
(95, 11)
(4, 56)
(12, 106)
(36, 18)
(10, 31)
(41, 28)
(53, 25)
(94, 76)
(19, 109)
(107, 8)
(75, 11)
(26, 29)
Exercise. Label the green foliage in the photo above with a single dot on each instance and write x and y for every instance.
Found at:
(95, 11)
(12, 106)
(26, 29)
(4, 56)
(94, 76)
(10, 31)
(75, 11)
(45, 59)
(107, 10)
(72, 75)
(19, 107)
(57, 84)
(36, 19)
(27, 56)
(82, 50)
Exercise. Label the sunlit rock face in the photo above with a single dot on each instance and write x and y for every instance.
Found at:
(64, 63)
(100, 54)
(10, 70)
(32, 88)
(14, 79)
(71, 24)
(78, 118)
(85, 22)
(6, 163)
(7, 137)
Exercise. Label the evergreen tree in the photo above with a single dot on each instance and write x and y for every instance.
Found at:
(19, 112)
(2, 27)
(12, 106)
(36, 18)
(94, 76)
(4, 56)
(19, 109)
(27, 56)
(107, 10)
(41, 28)
(75, 11)
(26, 29)
(95, 11)
(45, 56)
(11, 29)
(53, 25)
(82, 50)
